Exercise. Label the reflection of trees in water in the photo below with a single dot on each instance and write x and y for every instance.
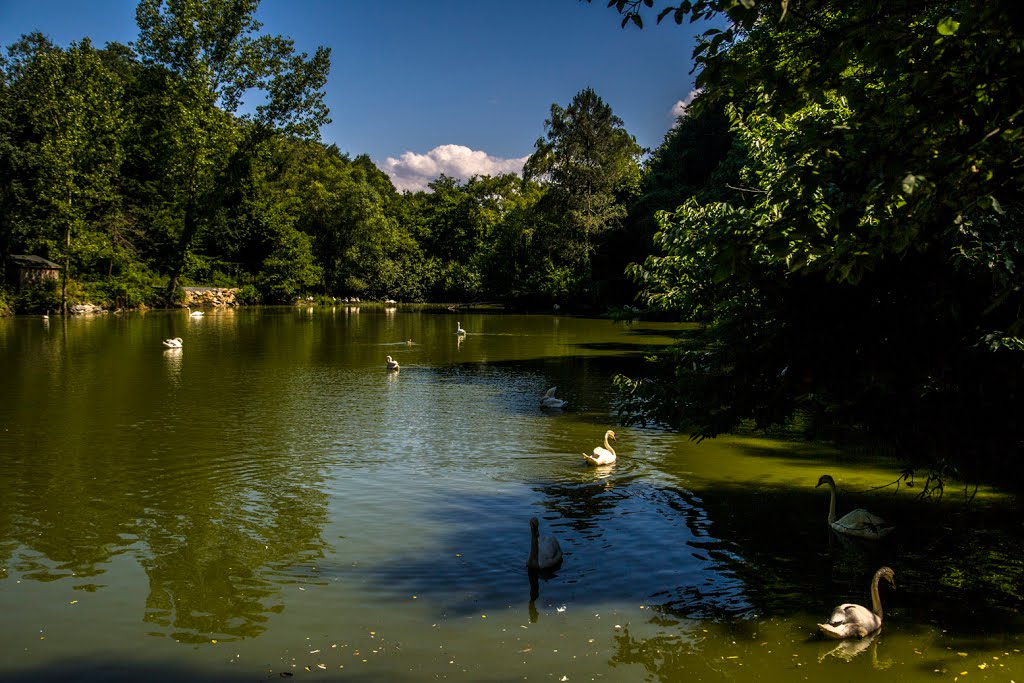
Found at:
(668, 657)
(213, 572)
(211, 542)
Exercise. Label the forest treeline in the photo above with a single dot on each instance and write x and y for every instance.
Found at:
(139, 168)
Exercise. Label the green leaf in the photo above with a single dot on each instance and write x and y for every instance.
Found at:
(909, 183)
(990, 202)
(948, 26)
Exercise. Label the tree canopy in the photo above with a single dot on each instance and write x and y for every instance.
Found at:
(192, 156)
(861, 268)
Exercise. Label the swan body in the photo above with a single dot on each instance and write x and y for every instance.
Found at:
(854, 621)
(548, 400)
(458, 329)
(858, 522)
(172, 343)
(603, 455)
(545, 553)
(392, 364)
(194, 314)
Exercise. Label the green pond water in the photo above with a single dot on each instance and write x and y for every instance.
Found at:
(269, 500)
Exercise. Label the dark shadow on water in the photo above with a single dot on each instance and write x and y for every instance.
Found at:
(613, 534)
(623, 347)
(731, 554)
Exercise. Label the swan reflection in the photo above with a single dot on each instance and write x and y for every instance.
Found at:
(534, 594)
(172, 356)
(846, 650)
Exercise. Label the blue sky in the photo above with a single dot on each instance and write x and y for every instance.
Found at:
(453, 86)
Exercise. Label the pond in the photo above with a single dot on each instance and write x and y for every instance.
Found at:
(269, 501)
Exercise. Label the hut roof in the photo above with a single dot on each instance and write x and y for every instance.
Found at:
(29, 261)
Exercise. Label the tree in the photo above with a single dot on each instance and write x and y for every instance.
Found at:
(210, 57)
(864, 271)
(66, 113)
(591, 164)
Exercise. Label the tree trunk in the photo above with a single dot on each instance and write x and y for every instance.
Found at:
(187, 234)
(67, 263)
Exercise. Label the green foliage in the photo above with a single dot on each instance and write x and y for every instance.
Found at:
(862, 269)
(190, 156)
(591, 165)
(6, 302)
(40, 298)
(210, 56)
(66, 113)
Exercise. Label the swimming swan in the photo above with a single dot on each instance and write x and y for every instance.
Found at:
(857, 522)
(392, 364)
(853, 621)
(545, 553)
(458, 328)
(172, 343)
(548, 400)
(603, 456)
(194, 314)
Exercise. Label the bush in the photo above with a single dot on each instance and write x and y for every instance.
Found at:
(248, 295)
(6, 302)
(40, 298)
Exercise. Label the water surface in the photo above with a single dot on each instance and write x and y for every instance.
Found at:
(269, 499)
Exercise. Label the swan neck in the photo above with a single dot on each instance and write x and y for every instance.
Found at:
(608, 446)
(832, 507)
(876, 601)
(534, 549)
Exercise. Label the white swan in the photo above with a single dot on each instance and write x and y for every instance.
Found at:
(194, 314)
(603, 456)
(545, 553)
(548, 400)
(853, 621)
(172, 343)
(858, 522)
(458, 328)
(392, 364)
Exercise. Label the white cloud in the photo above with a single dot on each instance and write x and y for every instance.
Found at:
(679, 108)
(413, 171)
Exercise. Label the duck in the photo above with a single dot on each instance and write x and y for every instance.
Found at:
(392, 364)
(857, 522)
(854, 621)
(172, 343)
(545, 553)
(194, 314)
(605, 455)
(458, 329)
(548, 400)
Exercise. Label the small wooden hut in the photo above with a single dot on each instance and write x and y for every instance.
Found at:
(27, 271)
